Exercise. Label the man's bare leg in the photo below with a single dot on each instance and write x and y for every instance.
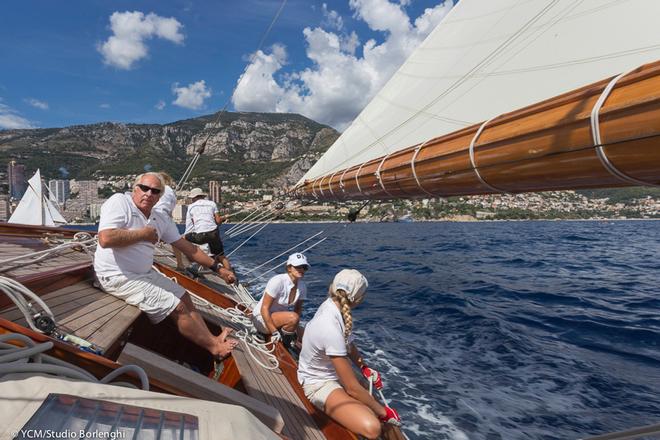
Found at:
(192, 326)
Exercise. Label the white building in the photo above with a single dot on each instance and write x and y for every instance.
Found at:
(59, 190)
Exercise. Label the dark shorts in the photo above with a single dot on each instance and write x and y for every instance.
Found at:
(212, 238)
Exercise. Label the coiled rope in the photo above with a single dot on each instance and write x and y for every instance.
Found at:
(31, 358)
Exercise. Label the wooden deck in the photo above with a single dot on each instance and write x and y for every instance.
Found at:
(269, 386)
(87, 312)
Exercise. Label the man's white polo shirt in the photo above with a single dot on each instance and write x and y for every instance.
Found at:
(119, 212)
(200, 216)
(167, 201)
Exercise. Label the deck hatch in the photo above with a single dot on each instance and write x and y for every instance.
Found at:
(67, 416)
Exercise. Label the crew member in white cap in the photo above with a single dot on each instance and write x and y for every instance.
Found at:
(281, 304)
(202, 220)
(324, 368)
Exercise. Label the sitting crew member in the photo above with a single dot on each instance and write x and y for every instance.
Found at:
(128, 229)
(167, 203)
(202, 222)
(324, 369)
(281, 304)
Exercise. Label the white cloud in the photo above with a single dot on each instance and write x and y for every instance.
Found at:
(331, 18)
(160, 105)
(192, 96)
(130, 30)
(104, 105)
(340, 83)
(38, 104)
(9, 119)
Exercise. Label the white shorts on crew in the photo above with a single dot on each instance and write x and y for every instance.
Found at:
(153, 293)
(318, 392)
(260, 324)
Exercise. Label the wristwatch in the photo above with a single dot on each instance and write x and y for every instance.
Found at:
(214, 267)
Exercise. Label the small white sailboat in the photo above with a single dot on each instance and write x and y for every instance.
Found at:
(35, 208)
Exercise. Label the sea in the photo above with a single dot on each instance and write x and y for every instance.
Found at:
(494, 330)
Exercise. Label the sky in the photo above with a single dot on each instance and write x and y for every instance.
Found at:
(86, 61)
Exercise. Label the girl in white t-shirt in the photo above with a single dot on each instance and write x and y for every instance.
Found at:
(281, 305)
(324, 368)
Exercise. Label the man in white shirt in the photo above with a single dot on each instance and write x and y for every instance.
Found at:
(202, 222)
(128, 229)
(167, 203)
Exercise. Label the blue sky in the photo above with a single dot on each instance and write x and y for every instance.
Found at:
(86, 61)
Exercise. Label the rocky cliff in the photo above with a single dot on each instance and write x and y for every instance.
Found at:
(253, 148)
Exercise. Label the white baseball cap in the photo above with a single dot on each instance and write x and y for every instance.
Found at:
(196, 192)
(353, 283)
(297, 260)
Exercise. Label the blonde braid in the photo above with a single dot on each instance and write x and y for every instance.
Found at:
(345, 311)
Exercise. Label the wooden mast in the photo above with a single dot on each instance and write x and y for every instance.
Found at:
(542, 147)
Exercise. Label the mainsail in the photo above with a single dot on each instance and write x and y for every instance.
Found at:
(443, 124)
(35, 208)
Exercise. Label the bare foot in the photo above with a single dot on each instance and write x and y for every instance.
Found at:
(225, 332)
(225, 348)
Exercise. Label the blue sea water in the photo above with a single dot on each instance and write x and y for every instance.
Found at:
(497, 330)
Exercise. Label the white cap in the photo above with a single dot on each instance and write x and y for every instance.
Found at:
(196, 192)
(353, 283)
(297, 260)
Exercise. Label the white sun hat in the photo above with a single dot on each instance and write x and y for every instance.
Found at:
(297, 260)
(353, 283)
(196, 192)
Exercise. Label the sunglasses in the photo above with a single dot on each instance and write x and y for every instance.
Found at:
(303, 267)
(146, 189)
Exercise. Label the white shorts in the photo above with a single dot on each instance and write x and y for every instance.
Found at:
(153, 293)
(260, 324)
(318, 392)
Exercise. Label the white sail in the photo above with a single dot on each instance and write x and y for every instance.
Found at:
(35, 208)
(491, 57)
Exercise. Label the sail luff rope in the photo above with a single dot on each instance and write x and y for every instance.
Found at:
(272, 269)
(202, 146)
(283, 253)
(489, 58)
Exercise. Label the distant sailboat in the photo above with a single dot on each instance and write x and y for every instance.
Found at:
(35, 208)
(509, 96)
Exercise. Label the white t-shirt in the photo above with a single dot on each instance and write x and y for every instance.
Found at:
(167, 201)
(324, 337)
(279, 288)
(119, 212)
(200, 216)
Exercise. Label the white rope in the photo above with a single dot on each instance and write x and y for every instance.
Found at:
(330, 185)
(357, 175)
(472, 161)
(265, 218)
(314, 189)
(247, 239)
(283, 263)
(17, 293)
(240, 223)
(31, 358)
(42, 255)
(412, 166)
(283, 253)
(380, 180)
(595, 132)
(341, 181)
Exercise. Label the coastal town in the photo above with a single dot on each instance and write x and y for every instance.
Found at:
(79, 201)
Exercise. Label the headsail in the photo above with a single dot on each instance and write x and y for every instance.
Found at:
(483, 60)
(35, 208)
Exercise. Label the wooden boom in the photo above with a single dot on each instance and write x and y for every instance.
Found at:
(546, 146)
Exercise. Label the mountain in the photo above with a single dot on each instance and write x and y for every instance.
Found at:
(250, 148)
